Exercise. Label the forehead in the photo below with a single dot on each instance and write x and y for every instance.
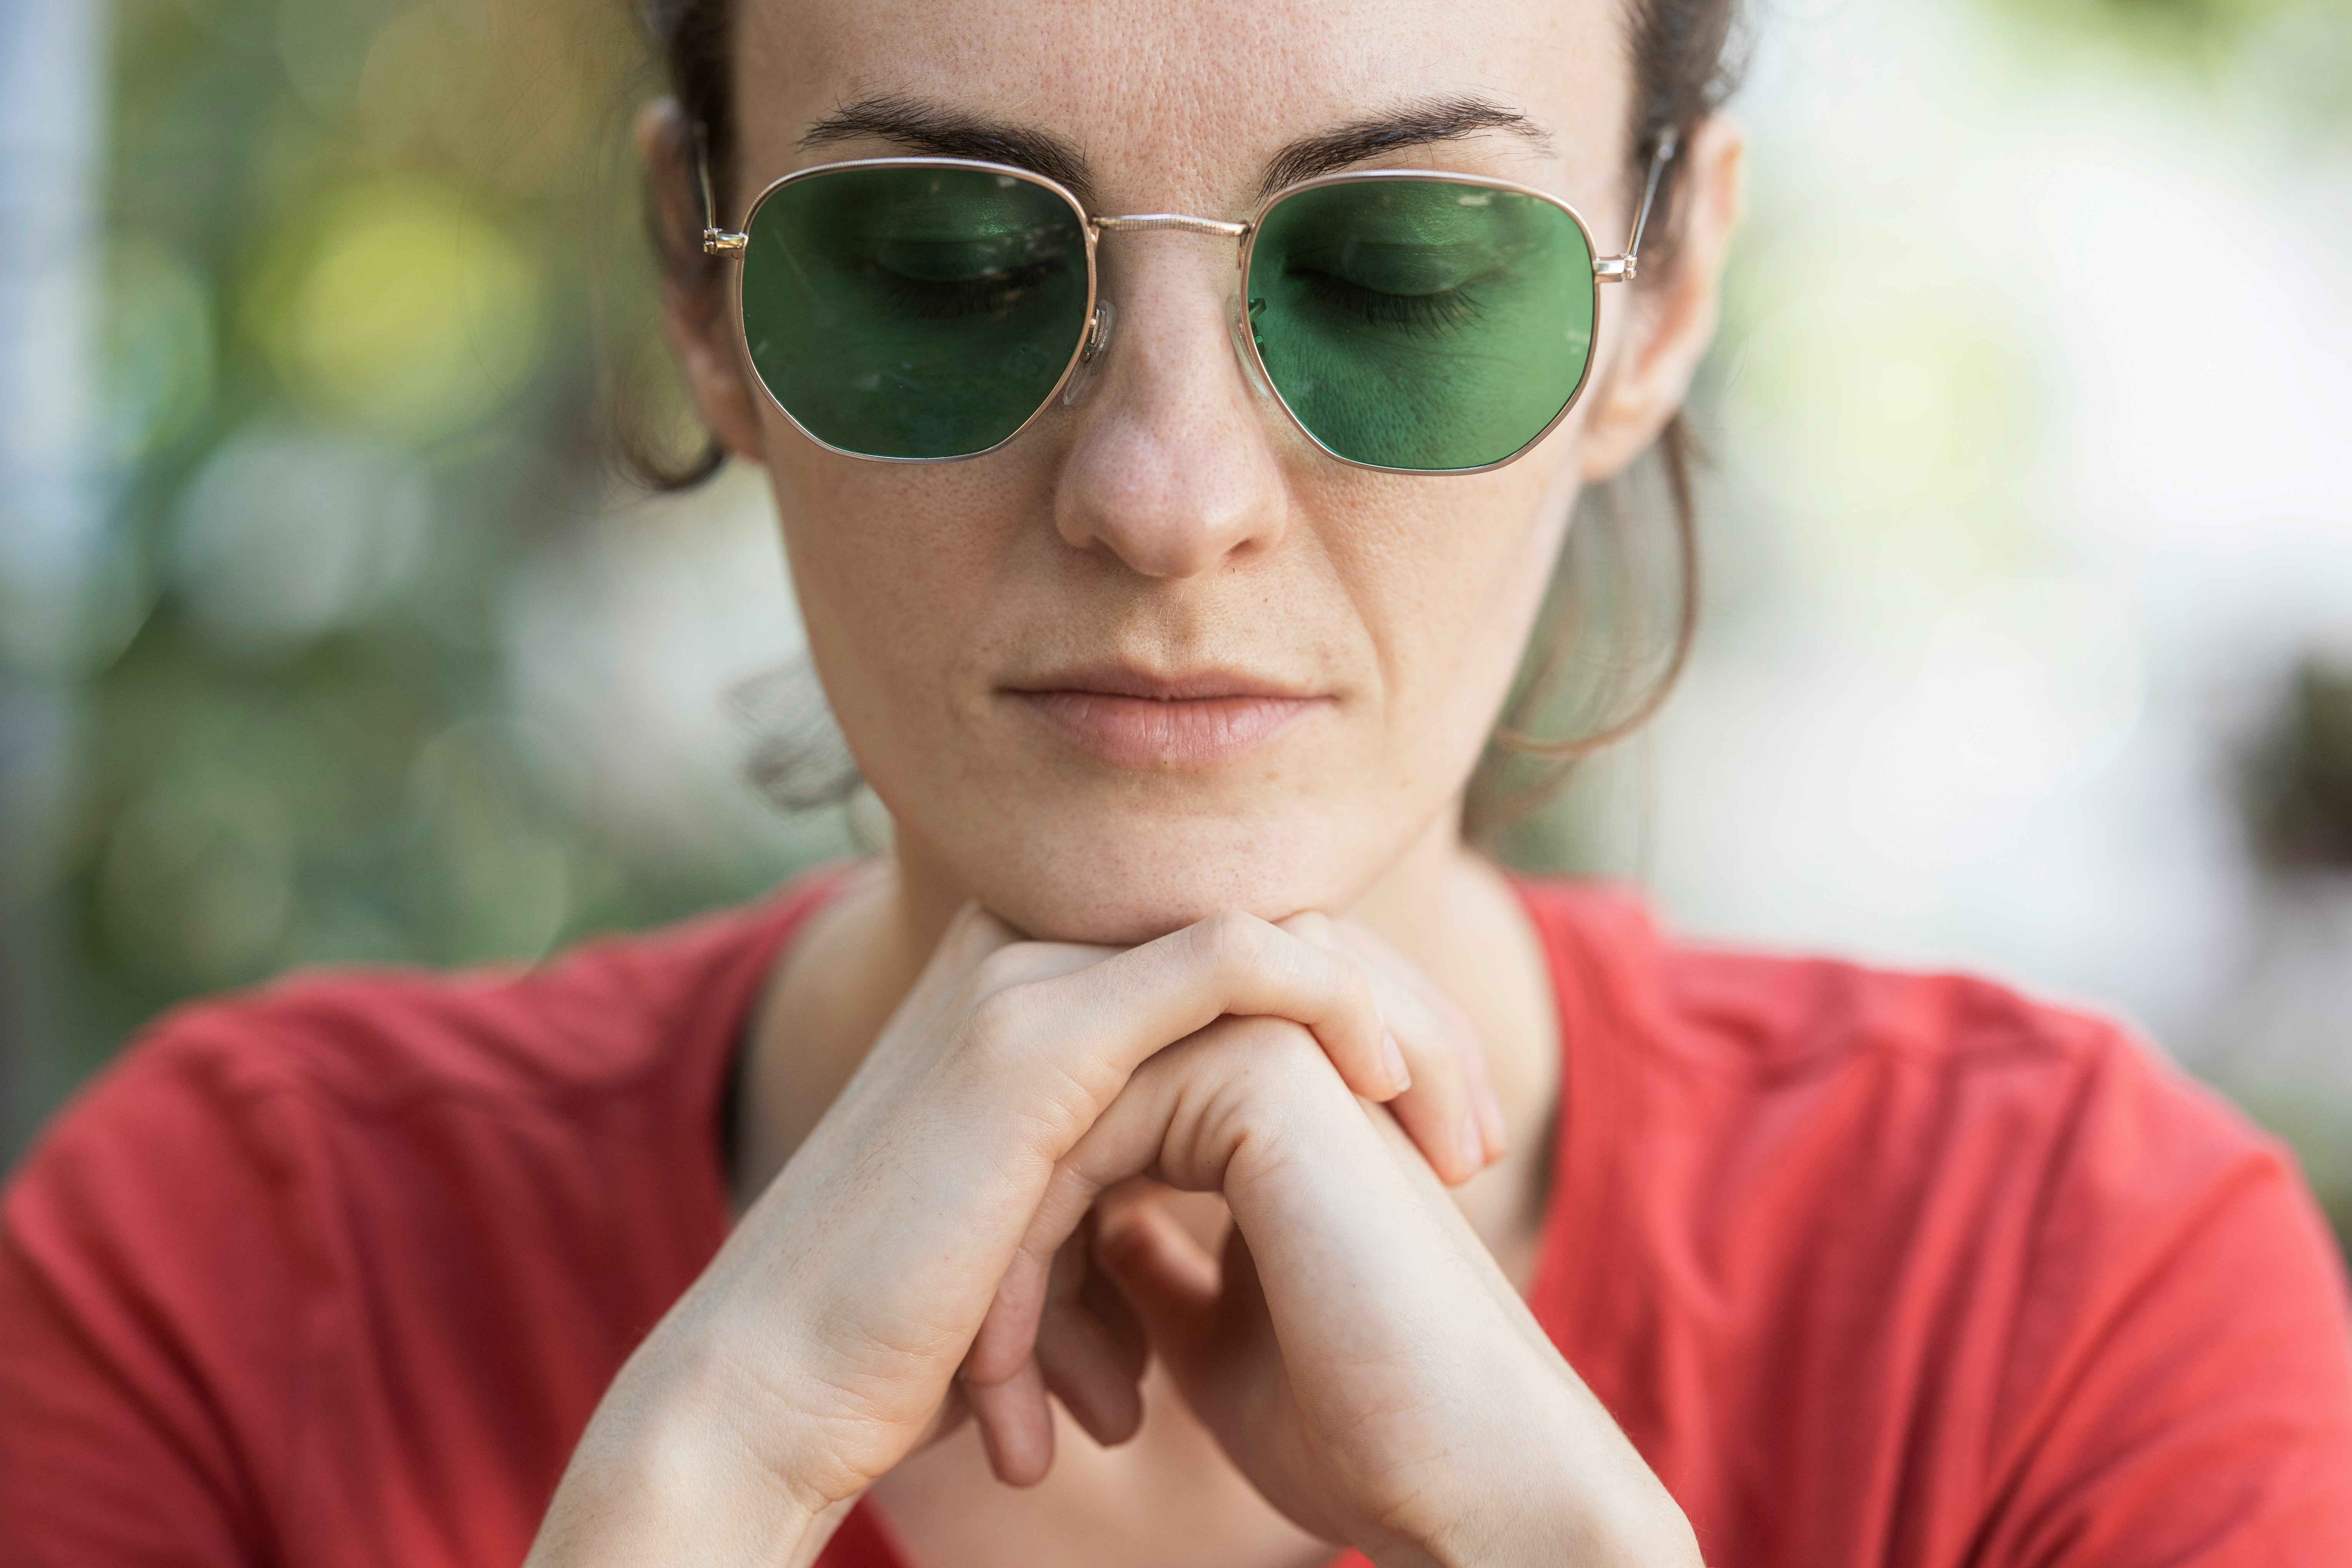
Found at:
(1184, 100)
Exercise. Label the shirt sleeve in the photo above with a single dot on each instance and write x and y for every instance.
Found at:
(2193, 1407)
(148, 1332)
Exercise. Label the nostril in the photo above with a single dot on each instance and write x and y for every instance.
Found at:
(1082, 378)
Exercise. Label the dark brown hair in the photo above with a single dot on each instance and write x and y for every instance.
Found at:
(1682, 70)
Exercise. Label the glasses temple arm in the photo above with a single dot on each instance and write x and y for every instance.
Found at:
(1621, 268)
(717, 241)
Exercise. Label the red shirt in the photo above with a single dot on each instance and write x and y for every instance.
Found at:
(1874, 1268)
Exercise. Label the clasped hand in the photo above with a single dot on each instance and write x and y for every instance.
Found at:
(1356, 1351)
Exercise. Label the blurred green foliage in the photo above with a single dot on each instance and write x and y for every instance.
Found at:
(365, 259)
(2289, 61)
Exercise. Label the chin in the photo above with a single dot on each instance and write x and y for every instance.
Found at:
(1121, 882)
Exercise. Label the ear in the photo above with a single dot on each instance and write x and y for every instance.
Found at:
(695, 314)
(1674, 309)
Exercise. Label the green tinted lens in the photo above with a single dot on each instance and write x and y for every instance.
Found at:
(1422, 323)
(913, 311)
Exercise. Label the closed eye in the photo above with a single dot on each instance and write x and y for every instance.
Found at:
(1439, 310)
(949, 299)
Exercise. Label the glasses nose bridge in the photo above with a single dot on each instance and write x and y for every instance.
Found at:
(1180, 223)
(1183, 223)
(1099, 329)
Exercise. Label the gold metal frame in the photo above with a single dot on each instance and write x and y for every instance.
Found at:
(720, 242)
(1092, 336)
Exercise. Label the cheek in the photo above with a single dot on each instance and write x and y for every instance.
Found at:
(895, 567)
(1455, 572)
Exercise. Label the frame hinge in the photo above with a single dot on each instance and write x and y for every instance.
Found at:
(718, 242)
(1614, 268)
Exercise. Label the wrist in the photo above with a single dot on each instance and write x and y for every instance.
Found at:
(1573, 1530)
(1567, 1489)
(668, 1472)
(676, 1498)
(1520, 1528)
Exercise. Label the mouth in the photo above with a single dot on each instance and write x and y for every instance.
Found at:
(1187, 721)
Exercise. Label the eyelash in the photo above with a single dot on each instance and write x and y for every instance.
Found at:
(1415, 313)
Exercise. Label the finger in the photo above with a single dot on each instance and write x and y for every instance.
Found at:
(972, 934)
(1170, 1280)
(1167, 1106)
(1180, 1292)
(1008, 1331)
(979, 953)
(1078, 1037)
(1368, 942)
(1092, 1347)
(1481, 1085)
(1438, 1113)
(1121, 1144)
(1435, 1016)
(1114, 1316)
(1441, 1111)
(1089, 1352)
(1016, 1426)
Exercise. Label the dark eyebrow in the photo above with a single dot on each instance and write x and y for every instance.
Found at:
(935, 131)
(1415, 125)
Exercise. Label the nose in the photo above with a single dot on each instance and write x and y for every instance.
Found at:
(1171, 468)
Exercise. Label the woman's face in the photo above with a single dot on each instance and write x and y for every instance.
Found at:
(1160, 656)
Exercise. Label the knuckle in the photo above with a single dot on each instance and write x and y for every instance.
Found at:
(1007, 1045)
(1277, 1049)
(1229, 940)
(1287, 1083)
(997, 1023)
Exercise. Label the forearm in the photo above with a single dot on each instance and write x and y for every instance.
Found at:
(685, 1504)
(668, 1472)
(1579, 1532)
(1578, 1497)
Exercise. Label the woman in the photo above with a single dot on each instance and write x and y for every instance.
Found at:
(1098, 1140)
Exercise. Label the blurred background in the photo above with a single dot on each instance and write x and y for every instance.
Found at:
(327, 632)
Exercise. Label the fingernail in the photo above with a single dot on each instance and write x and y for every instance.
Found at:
(1474, 1146)
(1393, 1060)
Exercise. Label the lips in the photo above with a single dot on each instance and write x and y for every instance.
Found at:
(1190, 720)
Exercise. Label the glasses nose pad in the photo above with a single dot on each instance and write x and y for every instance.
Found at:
(1238, 328)
(1082, 379)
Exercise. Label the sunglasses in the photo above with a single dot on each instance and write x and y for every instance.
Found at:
(926, 310)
